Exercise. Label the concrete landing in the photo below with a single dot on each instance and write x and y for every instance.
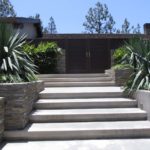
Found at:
(123, 144)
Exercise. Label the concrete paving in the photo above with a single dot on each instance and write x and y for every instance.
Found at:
(73, 75)
(82, 90)
(85, 103)
(88, 115)
(86, 79)
(89, 111)
(123, 144)
(79, 84)
(79, 130)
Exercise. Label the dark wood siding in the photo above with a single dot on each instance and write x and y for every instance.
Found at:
(76, 61)
(99, 55)
(87, 56)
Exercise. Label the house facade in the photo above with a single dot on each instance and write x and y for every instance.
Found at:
(30, 27)
(82, 53)
(88, 53)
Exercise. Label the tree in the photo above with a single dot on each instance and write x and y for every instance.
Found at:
(6, 9)
(51, 29)
(126, 27)
(137, 29)
(99, 20)
(37, 16)
(109, 27)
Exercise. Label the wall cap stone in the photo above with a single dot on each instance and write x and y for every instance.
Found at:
(21, 83)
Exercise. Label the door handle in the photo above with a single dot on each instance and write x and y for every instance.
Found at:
(88, 54)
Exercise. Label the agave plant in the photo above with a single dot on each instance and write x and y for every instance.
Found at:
(138, 56)
(15, 65)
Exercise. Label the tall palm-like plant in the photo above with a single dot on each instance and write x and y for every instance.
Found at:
(138, 56)
(15, 65)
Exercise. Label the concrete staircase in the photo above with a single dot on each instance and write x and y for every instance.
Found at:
(77, 80)
(66, 112)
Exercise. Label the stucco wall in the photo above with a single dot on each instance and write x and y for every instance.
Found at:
(28, 29)
(143, 99)
(1, 117)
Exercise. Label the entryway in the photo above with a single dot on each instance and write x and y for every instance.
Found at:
(87, 56)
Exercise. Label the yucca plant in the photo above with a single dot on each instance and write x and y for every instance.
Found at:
(15, 65)
(138, 56)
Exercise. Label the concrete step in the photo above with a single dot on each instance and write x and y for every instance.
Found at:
(79, 84)
(73, 75)
(96, 144)
(81, 92)
(86, 79)
(82, 115)
(88, 130)
(85, 103)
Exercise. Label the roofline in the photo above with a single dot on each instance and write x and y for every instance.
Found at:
(93, 36)
(13, 20)
(19, 20)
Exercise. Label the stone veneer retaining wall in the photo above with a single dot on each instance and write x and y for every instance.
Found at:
(121, 76)
(19, 101)
(61, 62)
(1, 117)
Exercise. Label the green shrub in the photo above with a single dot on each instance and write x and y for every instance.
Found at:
(119, 55)
(15, 64)
(138, 56)
(44, 56)
(122, 66)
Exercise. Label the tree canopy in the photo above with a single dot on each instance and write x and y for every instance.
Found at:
(6, 9)
(126, 28)
(99, 20)
(51, 29)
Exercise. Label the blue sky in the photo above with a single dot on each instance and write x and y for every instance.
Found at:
(69, 15)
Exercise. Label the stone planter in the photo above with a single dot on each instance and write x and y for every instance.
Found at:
(19, 102)
(1, 117)
(122, 76)
(143, 99)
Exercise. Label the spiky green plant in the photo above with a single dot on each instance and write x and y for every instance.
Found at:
(15, 65)
(138, 56)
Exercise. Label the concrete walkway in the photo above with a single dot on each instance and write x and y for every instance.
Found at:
(123, 144)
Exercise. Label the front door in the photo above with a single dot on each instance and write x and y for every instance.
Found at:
(76, 60)
(87, 56)
(99, 55)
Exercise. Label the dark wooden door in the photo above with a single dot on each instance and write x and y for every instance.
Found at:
(76, 56)
(99, 55)
(87, 55)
